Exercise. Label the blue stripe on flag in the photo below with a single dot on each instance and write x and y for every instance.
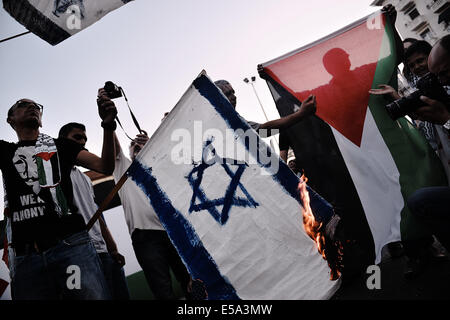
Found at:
(322, 210)
(190, 248)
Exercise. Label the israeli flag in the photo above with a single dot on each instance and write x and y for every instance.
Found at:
(229, 204)
(56, 20)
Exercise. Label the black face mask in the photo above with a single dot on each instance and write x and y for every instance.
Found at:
(79, 137)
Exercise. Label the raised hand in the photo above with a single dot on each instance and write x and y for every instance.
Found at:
(390, 12)
(106, 108)
(435, 111)
(385, 89)
(308, 106)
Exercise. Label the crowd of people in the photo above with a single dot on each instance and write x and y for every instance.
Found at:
(49, 203)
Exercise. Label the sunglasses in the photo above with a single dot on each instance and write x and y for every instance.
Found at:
(27, 104)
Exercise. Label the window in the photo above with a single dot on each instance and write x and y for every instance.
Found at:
(426, 34)
(413, 13)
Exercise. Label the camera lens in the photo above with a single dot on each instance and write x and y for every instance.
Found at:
(394, 109)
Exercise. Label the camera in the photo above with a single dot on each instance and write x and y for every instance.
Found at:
(113, 90)
(428, 86)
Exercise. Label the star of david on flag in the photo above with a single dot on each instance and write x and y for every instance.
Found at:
(229, 199)
(236, 222)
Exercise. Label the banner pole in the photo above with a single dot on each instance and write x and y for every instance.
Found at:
(16, 36)
(106, 202)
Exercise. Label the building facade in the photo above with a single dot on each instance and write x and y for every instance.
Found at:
(420, 19)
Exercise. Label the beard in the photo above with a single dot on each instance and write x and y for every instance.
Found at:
(32, 123)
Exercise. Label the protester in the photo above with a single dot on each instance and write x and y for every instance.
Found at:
(416, 60)
(54, 257)
(307, 109)
(154, 251)
(411, 78)
(417, 56)
(431, 205)
(112, 260)
(292, 164)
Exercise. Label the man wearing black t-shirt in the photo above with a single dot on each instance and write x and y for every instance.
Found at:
(54, 256)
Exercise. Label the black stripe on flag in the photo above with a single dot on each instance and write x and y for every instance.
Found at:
(318, 155)
(35, 21)
(54, 160)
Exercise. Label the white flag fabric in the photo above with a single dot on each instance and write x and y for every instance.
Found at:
(232, 211)
(5, 288)
(56, 20)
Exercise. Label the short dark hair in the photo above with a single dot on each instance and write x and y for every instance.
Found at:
(420, 46)
(11, 110)
(67, 128)
(410, 40)
(445, 43)
(222, 83)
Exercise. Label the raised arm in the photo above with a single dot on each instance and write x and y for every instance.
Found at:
(391, 14)
(307, 109)
(104, 164)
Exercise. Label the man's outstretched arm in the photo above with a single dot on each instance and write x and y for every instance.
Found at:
(307, 109)
(104, 164)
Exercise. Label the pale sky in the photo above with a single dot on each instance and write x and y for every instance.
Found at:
(154, 50)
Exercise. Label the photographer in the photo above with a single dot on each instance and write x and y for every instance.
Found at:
(416, 64)
(429, 120)
(432, 205)
(437, 111)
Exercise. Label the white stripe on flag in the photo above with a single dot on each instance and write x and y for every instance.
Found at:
(86, 12)
(263, 252)
(48, 169)
(376, 179)
(4, 275)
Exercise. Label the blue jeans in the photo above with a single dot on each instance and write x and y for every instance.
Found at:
(115, 277)
(69, 270)
(432, 206)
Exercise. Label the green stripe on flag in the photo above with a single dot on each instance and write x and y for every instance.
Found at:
(41, 171)
(61, 200)
(416, 162)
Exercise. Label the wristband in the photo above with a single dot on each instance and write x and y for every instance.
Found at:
(109, 126)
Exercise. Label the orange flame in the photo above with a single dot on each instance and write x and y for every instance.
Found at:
(313, 228)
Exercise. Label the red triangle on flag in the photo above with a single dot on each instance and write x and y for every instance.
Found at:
(45, 155)
(339, 71)
(3, 285)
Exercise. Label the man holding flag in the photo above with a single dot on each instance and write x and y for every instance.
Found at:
(355, 156)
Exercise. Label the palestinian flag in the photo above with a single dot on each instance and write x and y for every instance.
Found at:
(4, 272)
(353, 154)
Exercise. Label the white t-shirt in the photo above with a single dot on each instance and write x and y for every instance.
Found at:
(83, 198)
(139, 214)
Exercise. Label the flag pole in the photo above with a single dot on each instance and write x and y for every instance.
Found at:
(106, 202)
(253, 79)
(16, 36)
(252, 82)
